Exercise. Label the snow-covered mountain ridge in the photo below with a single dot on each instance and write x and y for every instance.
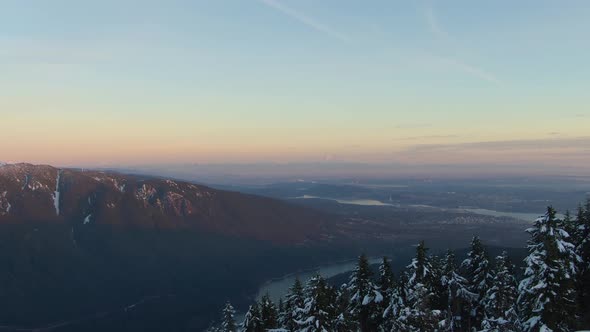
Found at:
(42, 193)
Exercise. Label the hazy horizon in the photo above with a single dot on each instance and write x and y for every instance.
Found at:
(294, 82)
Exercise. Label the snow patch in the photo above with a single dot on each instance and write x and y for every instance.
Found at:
(146, 193)
(117, 185)
(56, 193)
(4, 204)
(178, 204)
(36, 185)
(378, 297)
(27, 178)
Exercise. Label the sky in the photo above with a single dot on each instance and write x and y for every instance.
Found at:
(295, 81)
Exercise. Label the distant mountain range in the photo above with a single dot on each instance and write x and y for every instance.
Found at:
(82, 198)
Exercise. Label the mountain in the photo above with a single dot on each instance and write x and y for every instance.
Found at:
(82, 198)
(94, 251)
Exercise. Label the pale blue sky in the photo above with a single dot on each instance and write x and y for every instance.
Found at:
(286, 80)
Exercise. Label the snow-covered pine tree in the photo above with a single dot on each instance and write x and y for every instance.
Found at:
(479, 275)
(280, 311)
(252, 321)
(500, 300)
(281, 305)
(569, 225)
(582, 237)
(268, 313)
(317, 314)
(365, 297)
(343, 321)
(293, 302)
(458, 297)
(394, 316)
(439, 299)
(402, 286)
(418, 315)
(547, 294)
(229, 323)
(386, 277)
(386, 285)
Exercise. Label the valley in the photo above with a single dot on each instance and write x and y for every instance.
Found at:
(90, 250)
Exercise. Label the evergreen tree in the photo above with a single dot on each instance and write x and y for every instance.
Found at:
(547, 294)
(418, 314)
(386, 277)
(439, 300)
(293, 302)
(458, 297)
(570, 226)
(365, 297)
(479, 275)
(281, 312)
(386, 285)
(252, 321)
(229, 323)
(394, 316)
(343, 321)
(402, 286)
(318, 312)
(500, 299)
(582, 243)
(281, 306)
(268, 313)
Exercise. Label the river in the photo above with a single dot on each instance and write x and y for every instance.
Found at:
(277, 288)
(367, 202)
(528, 217)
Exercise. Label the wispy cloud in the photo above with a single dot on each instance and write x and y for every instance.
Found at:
(570, 152)
(472, 70)
(305, 19)
(411, 138)
(540, 145)
(440, 33)
(435, 28)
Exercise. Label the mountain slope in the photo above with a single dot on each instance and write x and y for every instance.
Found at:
(79, 198)
(76, 244)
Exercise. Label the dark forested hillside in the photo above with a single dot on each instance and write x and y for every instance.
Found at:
(80, 246)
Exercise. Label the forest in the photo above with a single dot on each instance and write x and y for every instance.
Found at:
(549, 291)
